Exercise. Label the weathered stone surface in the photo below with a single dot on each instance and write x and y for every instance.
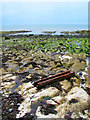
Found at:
(29, 76)
(27, 86)
(57, 57)
(79, 94)
(51, 91)
(6, 76)
(75, 81)
(42, 116)
(2, 71)
(58, 99)
(77, 100)
(8, 85)
(87, 85)
(77, 66)
(65, 85)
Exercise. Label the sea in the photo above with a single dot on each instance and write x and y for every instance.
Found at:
(40, 28)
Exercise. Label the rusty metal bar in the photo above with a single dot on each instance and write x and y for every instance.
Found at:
(53, 76)
(61, 77)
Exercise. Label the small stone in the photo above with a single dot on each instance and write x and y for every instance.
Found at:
(18, 104)
(30, 66)
(65, 85)
(1, 92)
(10, 110)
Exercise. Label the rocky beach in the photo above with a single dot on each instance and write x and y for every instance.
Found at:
(28, 58)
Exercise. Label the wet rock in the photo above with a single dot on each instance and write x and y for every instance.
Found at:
(9, 106)
(47, 108)
(24, 108)
(42, 116)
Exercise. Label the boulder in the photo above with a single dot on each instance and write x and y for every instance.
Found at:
(77, 101)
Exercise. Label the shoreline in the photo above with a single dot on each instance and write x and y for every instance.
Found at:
(80, 33)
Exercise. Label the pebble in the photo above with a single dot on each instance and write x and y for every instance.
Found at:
(10, 110)
(1, 92)
(18, 104)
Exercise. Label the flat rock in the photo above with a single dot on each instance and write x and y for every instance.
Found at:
(77, 66)
(65, 85)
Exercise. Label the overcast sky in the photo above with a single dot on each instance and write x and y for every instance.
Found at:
(21, 13)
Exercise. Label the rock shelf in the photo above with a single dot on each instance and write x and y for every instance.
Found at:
(68, 98)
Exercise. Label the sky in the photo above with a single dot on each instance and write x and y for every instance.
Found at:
(25, 13)
(44, 0)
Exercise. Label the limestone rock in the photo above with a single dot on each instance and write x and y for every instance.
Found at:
(57, 99)
(65, 85)
(8, 85)
(44, 117)
(2, 71)
(77, 100)
(24, 108)
(76, 81)
(52, 91)
(57, 57)
(6, 76)
(77, 66)
(80, 96)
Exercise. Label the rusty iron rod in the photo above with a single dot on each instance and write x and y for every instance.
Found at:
(44, 79)
(65, 76)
